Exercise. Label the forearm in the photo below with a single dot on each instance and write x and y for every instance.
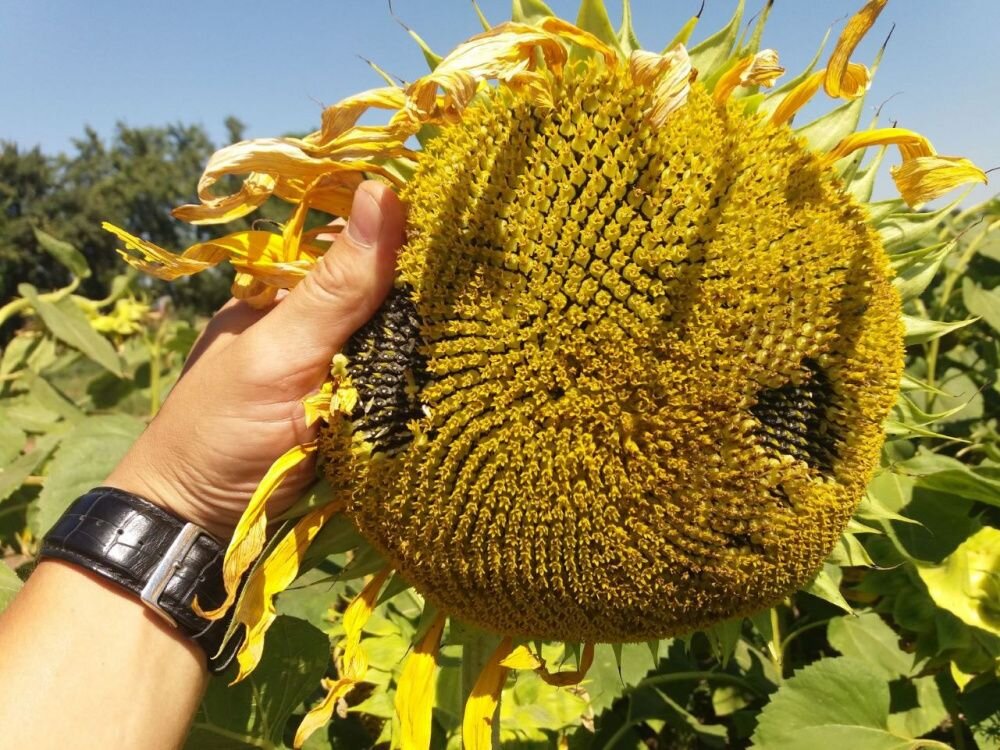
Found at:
(84, 664)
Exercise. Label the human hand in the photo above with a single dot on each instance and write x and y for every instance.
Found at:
(238, 405)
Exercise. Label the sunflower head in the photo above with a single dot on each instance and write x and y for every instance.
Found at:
(631, 380)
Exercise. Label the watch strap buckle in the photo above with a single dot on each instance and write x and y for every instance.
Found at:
(167, 566)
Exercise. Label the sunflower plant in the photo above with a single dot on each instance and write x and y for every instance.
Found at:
(639, 382)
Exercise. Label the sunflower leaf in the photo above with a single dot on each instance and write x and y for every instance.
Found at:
(921, 330)
(899, 230)
(709, 56)
(839, 702)
(10, 584)
(530, 11)
(916, 275)
(825, 132)
(627, 39)
(982, 302)
(826, 586)
(593, 17)
(65, 253)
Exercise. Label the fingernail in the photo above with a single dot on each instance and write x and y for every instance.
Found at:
(366, 219)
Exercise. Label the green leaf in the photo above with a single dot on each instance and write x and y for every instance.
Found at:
(12, 475)
(849, 552)
(723, 637)
(12, 441)
(253, 713)
(826, 586)
(627, 39)
(862, 183)
(65, 253)
(84, 459)
(709, 56)
(921, 330)
(926, 715)
(827, 131)
(917, 269)
(949, 475)
(530, 11)
(47, 396)
(832, 704)
(868, 638)
(902, 227)
(593, 17)
(10, 584)
(70, 326)
(984, 303)
(967, 583)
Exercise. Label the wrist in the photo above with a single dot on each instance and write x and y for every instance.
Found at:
(154, 482)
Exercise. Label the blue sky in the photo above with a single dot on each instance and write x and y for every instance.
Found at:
(68, 64)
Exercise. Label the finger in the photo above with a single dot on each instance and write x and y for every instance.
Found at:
(230, 321)
(343, 290)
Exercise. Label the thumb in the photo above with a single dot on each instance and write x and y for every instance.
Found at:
(346, 286)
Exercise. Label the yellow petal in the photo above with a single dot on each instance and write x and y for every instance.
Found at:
(502, 53)
(761, 69)
(924, 178)
(164, 264)
(320, 714)
(248, 539)
(317, 405)
(570, 677)
(855, 81)
(580, 37)
(255, 190)
(669, 75)
(855, 30)
(354, 663)
(911, 144)
(255, 609)
(797, 98)
(521, 658)
(415, 690)
(481, 707)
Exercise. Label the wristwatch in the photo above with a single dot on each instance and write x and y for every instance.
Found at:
(160, 558)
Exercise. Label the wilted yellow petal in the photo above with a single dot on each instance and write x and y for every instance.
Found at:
(317, 405)
(353, 664)
(255, 190)
(481, 707)
(856, 28)
(320, 714)
(521, 658)
(924, 178)
(248, 539)
(911, 144)
(669, 75)
(761, 69)
(255, 609)
(580, 37)
(502, 53)
(415, 690)
(164, 264)
(797, 98)
(570, 677)
(340, 118)
(855, 81)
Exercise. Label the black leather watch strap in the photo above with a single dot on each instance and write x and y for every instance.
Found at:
(153, 554)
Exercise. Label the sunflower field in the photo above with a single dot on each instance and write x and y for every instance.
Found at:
(668, 435)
